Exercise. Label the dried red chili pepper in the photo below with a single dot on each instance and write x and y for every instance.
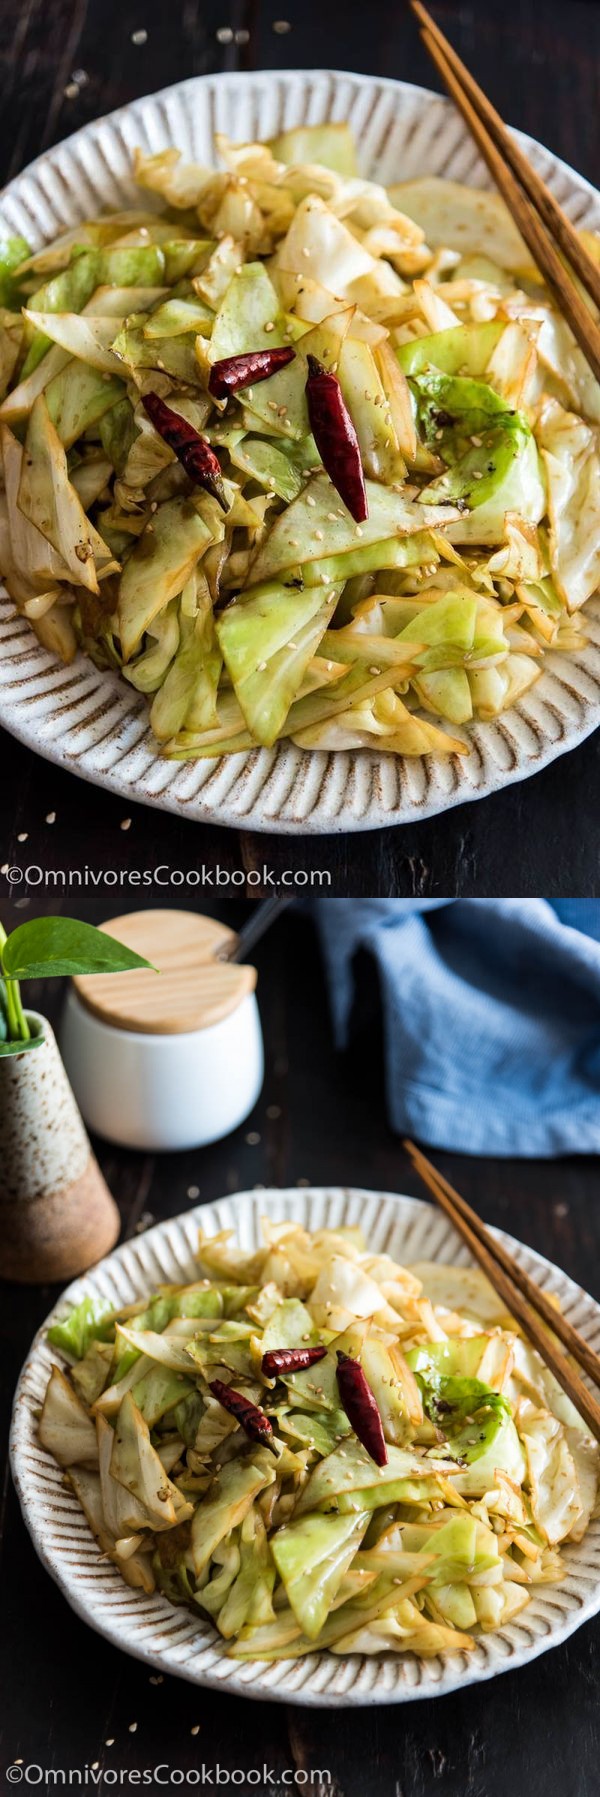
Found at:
(360, 1407)
(290, 1360)
(336, 438)
(233, 372)
(252, 1420)
(192, 450)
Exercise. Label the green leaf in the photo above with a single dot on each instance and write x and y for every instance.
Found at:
(47, 946)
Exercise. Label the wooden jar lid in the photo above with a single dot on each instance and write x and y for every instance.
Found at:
(189, 990)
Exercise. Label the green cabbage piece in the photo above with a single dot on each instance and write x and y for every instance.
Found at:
(187, 697)
(331, 144)
(498, 472)
(49, 500)
(317, 525)
(349, 1479)
(249, 303)
(65, 1428)
(158, 567)
(311, 1556)
(248, 1600)
(268, 638)
(78, 397)
(135, 1464)
(91, 1374)
(459, 1355)
(90, 1319)
(68, 291)
(175, 317)
(175, 356)
(13, 251)
(231, 1494)
(478, 1427)
(118, 432)
(463, 347)
(261, 461)
(160, 1390)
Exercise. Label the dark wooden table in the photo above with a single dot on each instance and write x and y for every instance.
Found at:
(539, 60)
(66, 1693)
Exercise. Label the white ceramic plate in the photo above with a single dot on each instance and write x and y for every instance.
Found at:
(93, 723)
(171, 1639)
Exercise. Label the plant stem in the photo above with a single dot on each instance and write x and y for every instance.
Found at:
(18, 1026)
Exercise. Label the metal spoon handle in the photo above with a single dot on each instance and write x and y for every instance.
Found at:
(260, 921)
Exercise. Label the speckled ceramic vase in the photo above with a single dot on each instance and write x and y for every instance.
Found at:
(57, 1216)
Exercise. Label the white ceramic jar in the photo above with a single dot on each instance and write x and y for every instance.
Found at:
(163, 1091)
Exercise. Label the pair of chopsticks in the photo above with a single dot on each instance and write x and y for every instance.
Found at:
(523, 1299)
(540, 220)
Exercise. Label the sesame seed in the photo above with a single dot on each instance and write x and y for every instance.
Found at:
(260, 668)
(192, 1192)
(270, 326)
(111, 1739)
(224, 34)
(332, 517)
(196, 1729)
(51, 817)
(375, 671)
(252, 1138)
(477, 474)
(241, 37)
(319, 536)
(71, 91)
(280, 26)
(125, 823)
(310, 500)
(133, 1728)
(359, 530)
(80, 77)
(139, 37)
(305, 252)
(273, 1111)
(23, 836)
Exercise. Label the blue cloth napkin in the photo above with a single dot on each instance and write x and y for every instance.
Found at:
(491, 1016)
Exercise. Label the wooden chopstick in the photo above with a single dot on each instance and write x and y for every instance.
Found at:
(510, 1282)
(543, 199)
(583, 324)
(577, 1346)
